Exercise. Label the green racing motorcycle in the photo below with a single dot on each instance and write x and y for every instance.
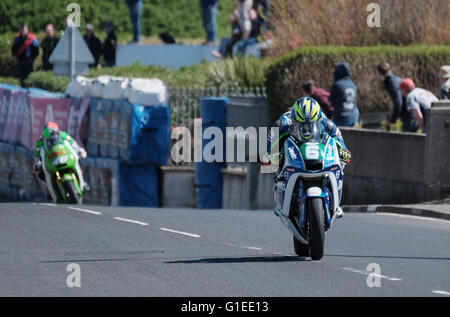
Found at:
(60, 162)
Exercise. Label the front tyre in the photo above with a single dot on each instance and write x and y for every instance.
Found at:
(71, 192)
(317, 231)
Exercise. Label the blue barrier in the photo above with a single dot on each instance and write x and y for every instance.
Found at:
(138, 185)
(149, 140)
(208, 175)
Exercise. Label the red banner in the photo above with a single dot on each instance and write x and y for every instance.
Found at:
(44, 110)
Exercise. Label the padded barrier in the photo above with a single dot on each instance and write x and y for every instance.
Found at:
(209, 179)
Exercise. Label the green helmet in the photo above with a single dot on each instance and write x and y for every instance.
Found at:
(50, 129)
(306, 109)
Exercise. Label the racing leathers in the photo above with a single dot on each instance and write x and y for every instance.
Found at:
(285, 124)
(39, 162)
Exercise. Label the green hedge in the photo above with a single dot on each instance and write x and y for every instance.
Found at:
(286, 74)
(181, 18)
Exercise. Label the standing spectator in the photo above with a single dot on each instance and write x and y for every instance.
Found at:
(94, 44)
(209, 15)
(418, 100)
(392, 85)
(343, 97)
(444, 74)
(135, 8)
(109, 46)
(25, 49)
(319, 94)
(48, 45)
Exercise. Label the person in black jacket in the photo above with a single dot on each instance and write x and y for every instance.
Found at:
(48, 45)
(343, 97)
(94, 44)
(392, 85)
(109, 46)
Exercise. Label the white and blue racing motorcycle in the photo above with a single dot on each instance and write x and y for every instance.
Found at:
(308, 188)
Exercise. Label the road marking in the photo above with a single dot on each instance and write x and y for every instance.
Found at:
(181, 232)
(132, 221)
(372, 274)
(86, 210)
(441, 292)
(242, 246)
(51, 205)
(284, 254)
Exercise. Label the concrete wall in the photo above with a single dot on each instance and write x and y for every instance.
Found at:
(386, 167)
(437, 151)
(174, 55)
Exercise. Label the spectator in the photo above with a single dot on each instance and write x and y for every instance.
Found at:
(444, 74)
(418, 100)
(241, 25)
(343, 97)
(392, 85)
(255, 32)
(209, 14)
(25, 49)
(319, 94)
(109, 46)
(48, 45)
(94, 44)
(135, 8)
(263, 13)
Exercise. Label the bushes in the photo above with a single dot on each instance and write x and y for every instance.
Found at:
(7, 62)
(285, 75)
(344, 22)
(244, 72)
(181, 18)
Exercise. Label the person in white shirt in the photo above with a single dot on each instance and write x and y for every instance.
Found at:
(418, 100)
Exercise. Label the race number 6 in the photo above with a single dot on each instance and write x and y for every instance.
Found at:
(312, 152)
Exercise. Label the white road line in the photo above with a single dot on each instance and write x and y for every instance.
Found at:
(86, 211)
(284, 254)
(371, 273)
(441, 292)
(181, 232)
(242, 246)
(132, 221)
(51, 205)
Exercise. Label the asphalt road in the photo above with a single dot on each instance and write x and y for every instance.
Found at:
(180, 252)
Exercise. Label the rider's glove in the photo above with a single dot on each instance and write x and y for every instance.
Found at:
(275, 159)
(37, 166)
(345, 156)
(83, 153)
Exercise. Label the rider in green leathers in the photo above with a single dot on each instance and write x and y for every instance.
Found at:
(50, 130)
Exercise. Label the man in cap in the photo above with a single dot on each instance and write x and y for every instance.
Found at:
(94, 44)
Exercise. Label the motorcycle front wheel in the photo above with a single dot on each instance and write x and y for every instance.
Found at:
(73, 197)
(316, 227)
